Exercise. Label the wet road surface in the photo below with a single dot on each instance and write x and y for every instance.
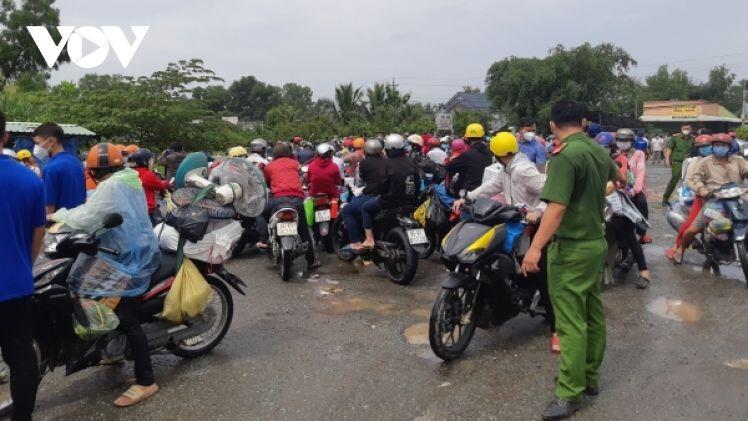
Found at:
(348, 344)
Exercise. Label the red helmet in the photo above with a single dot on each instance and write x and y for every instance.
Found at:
(702, 140)
(297, 139)
(347, 142)
(722, 138)
(433, 142)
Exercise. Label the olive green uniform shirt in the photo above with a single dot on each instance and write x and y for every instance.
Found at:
(577, 176)
(680, 147)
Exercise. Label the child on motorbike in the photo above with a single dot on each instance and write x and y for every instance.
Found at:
(119, 190)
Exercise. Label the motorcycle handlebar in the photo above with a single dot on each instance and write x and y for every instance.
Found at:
(107, 250)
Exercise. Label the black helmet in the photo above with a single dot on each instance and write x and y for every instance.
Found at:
(141, 157)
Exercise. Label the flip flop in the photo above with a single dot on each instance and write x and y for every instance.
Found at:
(135, 394)
(678, 257)
(642, 282)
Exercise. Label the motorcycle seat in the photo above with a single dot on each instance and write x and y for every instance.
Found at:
(166, 268)
(394, 212)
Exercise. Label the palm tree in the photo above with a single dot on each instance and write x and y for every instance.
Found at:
(349, 101)
(377, 96)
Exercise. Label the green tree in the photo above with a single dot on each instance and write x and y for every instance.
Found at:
(349, 101)
(470, 89)
(296, 96)
(527, 86)
(18, 52)
(664, 85)
(251, 99)
(215, 97)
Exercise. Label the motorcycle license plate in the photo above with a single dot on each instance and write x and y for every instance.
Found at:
(286, 228)
(417, 236)
(322, 215)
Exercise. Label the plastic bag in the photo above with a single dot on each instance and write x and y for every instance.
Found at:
(190, 221)
(436, 215)
(188, 296)
(420, 213)
(93, 319)
(214, 248)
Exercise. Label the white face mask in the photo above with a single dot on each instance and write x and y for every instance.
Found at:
(529, 136)
(624, 146)
(40, 152)
(686, 132)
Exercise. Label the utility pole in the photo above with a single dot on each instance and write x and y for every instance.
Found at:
(393, 84)
(744, 117)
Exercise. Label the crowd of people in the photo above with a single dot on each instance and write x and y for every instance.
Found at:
(561, 181)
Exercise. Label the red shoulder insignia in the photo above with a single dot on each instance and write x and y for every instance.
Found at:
(558, 148)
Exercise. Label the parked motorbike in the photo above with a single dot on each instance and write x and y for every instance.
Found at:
(485, 287)
(398, 240)
(726, 220)
(285, 241)
(54, 306)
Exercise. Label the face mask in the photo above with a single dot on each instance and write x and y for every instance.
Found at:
(686, 132)
(721, 151)
(40, 152)
(624, 146)
(529, 136)
(705, 151)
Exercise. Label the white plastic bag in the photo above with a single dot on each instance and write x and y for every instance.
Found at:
(214, 248)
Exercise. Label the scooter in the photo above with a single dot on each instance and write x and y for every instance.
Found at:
(398, 241)
(485, 288)
(325, 215)
(723, 241)
(55, 306)
(285, 241)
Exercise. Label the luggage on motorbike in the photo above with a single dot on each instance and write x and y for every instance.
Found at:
(420, 213)
(513, 233)
(622, 206)
(436, 215)
(93, 319)
(215, 247)
(309, 210)
(188, 296)
(190, 221)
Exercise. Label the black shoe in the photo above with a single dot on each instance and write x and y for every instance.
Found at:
(560, 409)
(591, 391)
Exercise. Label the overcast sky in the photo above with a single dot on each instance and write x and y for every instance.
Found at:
(431, 47)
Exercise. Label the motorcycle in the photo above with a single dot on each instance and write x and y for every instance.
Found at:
(325, 214)
(398, 241)
(54, 306)
(485, 287)
(285, 241)
(726, 223)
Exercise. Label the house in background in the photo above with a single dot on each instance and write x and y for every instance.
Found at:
(20, 136)
(473, 101)
(670, 115)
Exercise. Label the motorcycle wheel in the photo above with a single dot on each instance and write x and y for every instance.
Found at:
(339, 237)
(403, 269)
(743, 260)
(454, 312)
(285, 261)
(220, 308)
(327, 241)
(431, 245)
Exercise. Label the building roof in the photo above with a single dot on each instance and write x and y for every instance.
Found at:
(28, 127)
(686, 111)
(469, 101)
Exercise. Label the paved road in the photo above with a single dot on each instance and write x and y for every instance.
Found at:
(351, 345)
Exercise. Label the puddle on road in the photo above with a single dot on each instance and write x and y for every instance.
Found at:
(674, 309)
(417, 334)
(741, 363)
(421, 312)
(726, 271)
(358, 304)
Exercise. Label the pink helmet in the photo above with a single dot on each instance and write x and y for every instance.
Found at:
(458, 145)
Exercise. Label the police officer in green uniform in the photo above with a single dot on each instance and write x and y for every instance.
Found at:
(573, 225)
(678, 148)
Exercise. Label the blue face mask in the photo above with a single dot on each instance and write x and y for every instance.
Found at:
(705, 151)
(721, 151)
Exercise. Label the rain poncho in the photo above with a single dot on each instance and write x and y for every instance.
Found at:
(104, 274)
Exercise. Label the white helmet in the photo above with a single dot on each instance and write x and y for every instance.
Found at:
(416, 139)
(373, 147)
(324, 148)
(394, 141)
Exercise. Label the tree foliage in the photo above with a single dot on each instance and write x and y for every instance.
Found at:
(19, 54)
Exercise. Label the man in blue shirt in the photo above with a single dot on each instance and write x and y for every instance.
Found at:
(64, 181)
(530, 145)
(22, 231)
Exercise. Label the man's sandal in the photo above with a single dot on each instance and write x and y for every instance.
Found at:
(136, 394)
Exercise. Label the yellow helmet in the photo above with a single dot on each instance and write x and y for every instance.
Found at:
(359, 143)
(503, 144)
(475, 130)
(237, 151)
(23, 154)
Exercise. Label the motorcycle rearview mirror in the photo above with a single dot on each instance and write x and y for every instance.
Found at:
(112, 220)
